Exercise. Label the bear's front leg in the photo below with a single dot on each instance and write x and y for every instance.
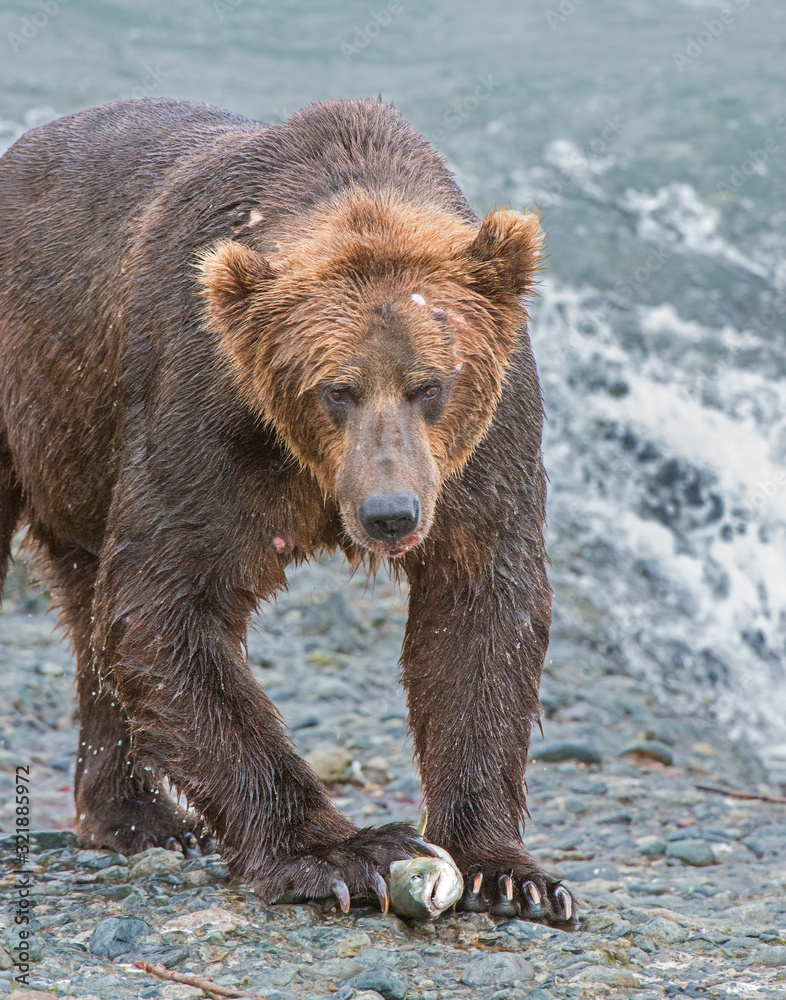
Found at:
(475, 642)
(172, 649)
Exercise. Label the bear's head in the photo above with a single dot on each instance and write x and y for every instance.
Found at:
(376, 339)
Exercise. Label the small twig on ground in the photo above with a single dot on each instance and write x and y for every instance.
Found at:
(206, 985)
(738, 793)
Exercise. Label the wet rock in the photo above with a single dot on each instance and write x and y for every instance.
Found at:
(283, 975)
(773, 956)
(212, 919)
(341, 942)
(649, 750)
(388, 984)
(98, 860)
(29, 995)
(158, 955)
(554, 753)
(116, 935)
(502, 969)
(585, 871)
(661, 930)
(651, 847)
(609, 976)
(330, 764)
(156, 861)
(695, 852)
(218, 870)
(50, 840)
(333, 968)
(374, 956)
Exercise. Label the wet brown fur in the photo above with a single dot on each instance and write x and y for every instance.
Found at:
(180, 288)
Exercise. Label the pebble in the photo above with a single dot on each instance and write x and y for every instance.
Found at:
(773, 956)
(662, 930)
(503, 969)
(604, 826)
(116, 935)
(553, 753)
(649, 750)
(215, 919)
(334, 968)
(330, 764)
(609, 976)
(388, 984)
(155, 861)
(694, 852)
(651, 847)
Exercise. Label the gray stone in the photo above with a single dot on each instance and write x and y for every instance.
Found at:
(51, 840)
(502, 969)
(585, 871)
(375, 956)
(651, 847)
(330, 764)
(609, 975)
(333, 968)
(158, 955)
(156, 861)
(98, 860)
(691, 852)
(555, 753)
(524, 930)
(283, 975)
(391, 985)
(661, 930)
(117, 935)
(773, 956)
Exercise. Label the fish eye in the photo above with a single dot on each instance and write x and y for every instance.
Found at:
(416, 878)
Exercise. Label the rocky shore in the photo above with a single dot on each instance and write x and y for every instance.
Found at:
(682, 889)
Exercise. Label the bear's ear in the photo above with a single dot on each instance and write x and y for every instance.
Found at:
(511, 243)
(230, 273)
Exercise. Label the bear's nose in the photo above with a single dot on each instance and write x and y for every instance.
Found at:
(388, 518)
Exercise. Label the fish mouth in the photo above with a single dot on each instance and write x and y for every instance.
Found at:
(433, 907)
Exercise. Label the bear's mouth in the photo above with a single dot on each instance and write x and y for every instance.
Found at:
(397, 548)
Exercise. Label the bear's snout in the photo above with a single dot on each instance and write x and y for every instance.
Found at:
(391, 517)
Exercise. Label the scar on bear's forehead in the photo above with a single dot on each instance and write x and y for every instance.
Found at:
(254, 218)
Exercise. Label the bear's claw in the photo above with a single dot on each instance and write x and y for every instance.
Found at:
(524, 891)
(342, 869)
(341, 891)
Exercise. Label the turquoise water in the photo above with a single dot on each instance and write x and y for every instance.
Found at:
(652, 133)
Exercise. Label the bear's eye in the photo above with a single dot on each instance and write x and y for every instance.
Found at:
(426, 393)
(339, 396)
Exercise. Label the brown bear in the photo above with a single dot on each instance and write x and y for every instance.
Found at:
(225, 346)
